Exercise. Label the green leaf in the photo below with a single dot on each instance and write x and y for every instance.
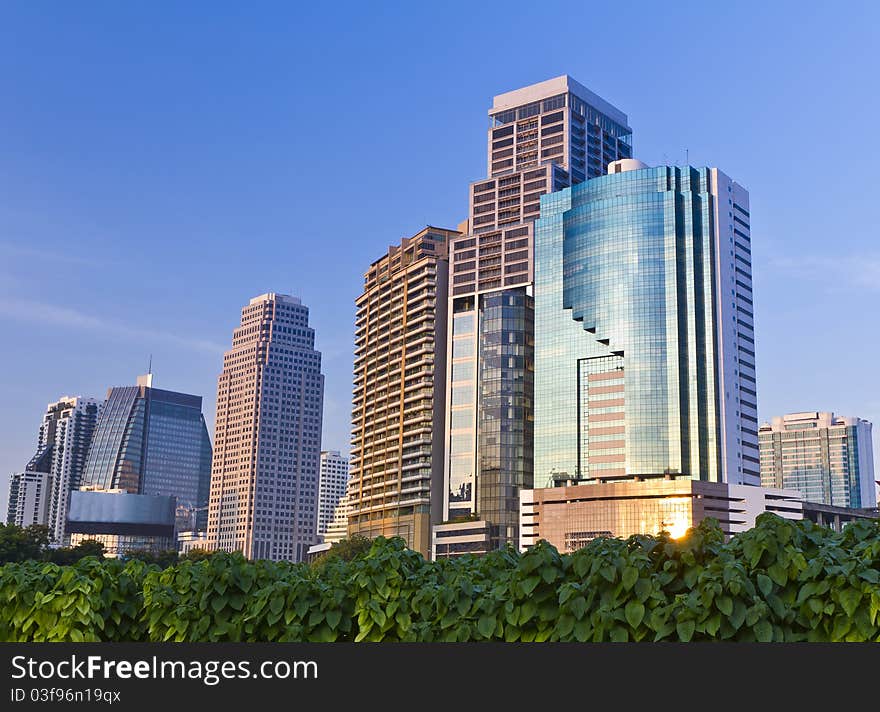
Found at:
(565, 626)
(635, 613)
(528, 585)
(685, 630)
(378, 616)
(753, 615)
(583, 630)
(324, 634)
(738, 615)
(850, 599)
(763, 632)
(629, 577)
(713, 624)
(404, 622)
(725, 604)
(578, 607)
(218, 603)
(643, 589)
(486, 626)
(806, 591)
(842, 624)
(765, 583)
(582, 566)
(778, 574)
(871, 575)
(619, 635)
(527, 611)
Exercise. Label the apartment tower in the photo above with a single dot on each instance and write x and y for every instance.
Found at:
(267, 438)
(829, 459)
(42, 491)
(644, 337)
(396, 470)
(331, 487)
(30, 494)
(540, 139)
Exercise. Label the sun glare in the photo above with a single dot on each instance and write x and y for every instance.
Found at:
(678, 528)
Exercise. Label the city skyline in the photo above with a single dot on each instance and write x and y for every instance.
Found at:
(80, 236)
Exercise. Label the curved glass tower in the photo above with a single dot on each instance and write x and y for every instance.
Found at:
(152, 441)
(644, 336)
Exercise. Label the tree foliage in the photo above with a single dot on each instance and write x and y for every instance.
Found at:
(32, 543)
(22, 543)
(780, 581)
(345, 550)
(70, 555)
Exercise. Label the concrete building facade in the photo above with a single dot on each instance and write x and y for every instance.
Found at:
(30, 494)
(122, 521)
(569, 517)
(331, 487)
(267, 437)
(398, 397)
(63, 443)
(829, 459)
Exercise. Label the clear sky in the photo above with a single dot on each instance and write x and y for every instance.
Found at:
(162, 163)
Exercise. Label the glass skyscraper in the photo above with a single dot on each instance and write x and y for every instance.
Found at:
(644, 331)
(152, 441)
(541, 138)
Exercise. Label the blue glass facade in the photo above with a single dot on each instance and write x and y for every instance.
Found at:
(626, 328)
(505, 384)
(152, 441)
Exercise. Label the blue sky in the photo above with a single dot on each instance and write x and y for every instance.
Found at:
(162, 163)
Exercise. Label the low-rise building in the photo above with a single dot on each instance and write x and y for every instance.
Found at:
(569, 517)
(121, 521)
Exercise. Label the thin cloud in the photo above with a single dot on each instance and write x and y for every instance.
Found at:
(844, 270)
(71, 318)
(14, 250)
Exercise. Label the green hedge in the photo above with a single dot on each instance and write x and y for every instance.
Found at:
(781, 581)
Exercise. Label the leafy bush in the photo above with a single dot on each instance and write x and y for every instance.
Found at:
(781, 581)
(92, 600)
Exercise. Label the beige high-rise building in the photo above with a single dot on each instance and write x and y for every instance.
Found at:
(267, 439)
(828, 458)
(398, 400)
